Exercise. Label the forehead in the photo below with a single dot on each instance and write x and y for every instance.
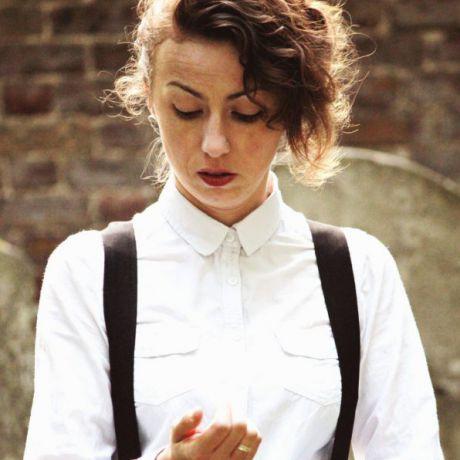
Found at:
(209, 66)
(198, 59)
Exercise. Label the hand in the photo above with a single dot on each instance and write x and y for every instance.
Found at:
(219, 441)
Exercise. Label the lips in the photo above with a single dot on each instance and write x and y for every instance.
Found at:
(216, 178)
(216, 172)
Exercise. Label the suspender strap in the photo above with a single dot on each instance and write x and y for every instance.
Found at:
(336, 274)
(120, 312)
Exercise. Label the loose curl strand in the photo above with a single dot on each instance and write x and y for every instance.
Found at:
(300, 50)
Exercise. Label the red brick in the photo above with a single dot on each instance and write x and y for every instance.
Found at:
(33, 173)
(31, 59)
(27, 98)
(39, 248)
(72, 136)
(110, 56)
(102, 16)
(39, 212)
(77, 19)
(425, 13)
(378, 91)
(80, 96)
(87, 174)
(446, 49)
(378, 129)
(17, 22)
(121, 206)
(365, 13)
(125, 135)
(404, 49)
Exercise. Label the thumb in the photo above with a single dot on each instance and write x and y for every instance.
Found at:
(185, 426)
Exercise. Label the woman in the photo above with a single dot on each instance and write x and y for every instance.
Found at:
(234, 355)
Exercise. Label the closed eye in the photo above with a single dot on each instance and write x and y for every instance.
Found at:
(239, 116)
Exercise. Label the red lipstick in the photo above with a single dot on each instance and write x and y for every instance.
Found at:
(216, 177)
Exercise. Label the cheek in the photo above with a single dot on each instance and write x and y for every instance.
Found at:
(260, 147)
(176, 139)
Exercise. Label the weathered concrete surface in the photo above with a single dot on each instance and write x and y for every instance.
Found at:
(416, 214)
(17, 325)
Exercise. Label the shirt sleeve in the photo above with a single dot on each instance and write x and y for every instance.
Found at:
(71, 416)
(396, 415)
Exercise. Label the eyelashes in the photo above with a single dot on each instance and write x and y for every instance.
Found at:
(239, 116)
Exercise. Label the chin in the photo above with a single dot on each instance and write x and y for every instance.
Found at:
(219, 198)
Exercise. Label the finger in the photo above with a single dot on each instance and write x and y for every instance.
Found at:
(218, 430)
(185, 426)
(252, 440)
(232, 441)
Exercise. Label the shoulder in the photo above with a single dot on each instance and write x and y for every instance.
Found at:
(379, 286)
(71, 295)
(368, 253)
(78, 245)
(360, 240)
(79, 256)
(73, 278)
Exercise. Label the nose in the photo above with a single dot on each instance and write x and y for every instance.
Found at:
(215, 142)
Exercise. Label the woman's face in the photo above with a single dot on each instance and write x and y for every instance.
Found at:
(221, 130)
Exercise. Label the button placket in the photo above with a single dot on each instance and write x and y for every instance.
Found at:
(230, 237)
(232, 280)
(231, 292)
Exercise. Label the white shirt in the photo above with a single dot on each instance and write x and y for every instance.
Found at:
(229, 314)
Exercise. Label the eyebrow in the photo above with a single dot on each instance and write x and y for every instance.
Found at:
(197, 94)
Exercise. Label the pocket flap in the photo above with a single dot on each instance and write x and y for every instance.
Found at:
(314, 342)
(155, 339)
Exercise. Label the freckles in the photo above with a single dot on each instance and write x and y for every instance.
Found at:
(261, 142)
(185, 142)
(252, 137)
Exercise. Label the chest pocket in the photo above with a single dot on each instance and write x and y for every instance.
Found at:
(165, 357)
(309, 364)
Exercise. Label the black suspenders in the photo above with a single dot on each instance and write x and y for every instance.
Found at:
(337, 281)
(120, 311)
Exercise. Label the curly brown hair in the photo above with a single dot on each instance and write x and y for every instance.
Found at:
(300, 50)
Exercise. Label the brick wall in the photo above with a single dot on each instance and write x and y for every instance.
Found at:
(410, 101)
(67, 164)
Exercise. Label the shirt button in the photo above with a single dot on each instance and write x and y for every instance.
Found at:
(233, 280)
(230, 237)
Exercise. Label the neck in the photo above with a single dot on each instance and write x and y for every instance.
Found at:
(233, 215)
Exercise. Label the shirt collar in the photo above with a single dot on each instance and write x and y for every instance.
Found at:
(205, 234)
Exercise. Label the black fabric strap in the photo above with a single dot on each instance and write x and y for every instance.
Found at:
(336, 274)
(120, 312)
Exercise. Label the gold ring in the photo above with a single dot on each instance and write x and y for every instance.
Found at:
(243, 448)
